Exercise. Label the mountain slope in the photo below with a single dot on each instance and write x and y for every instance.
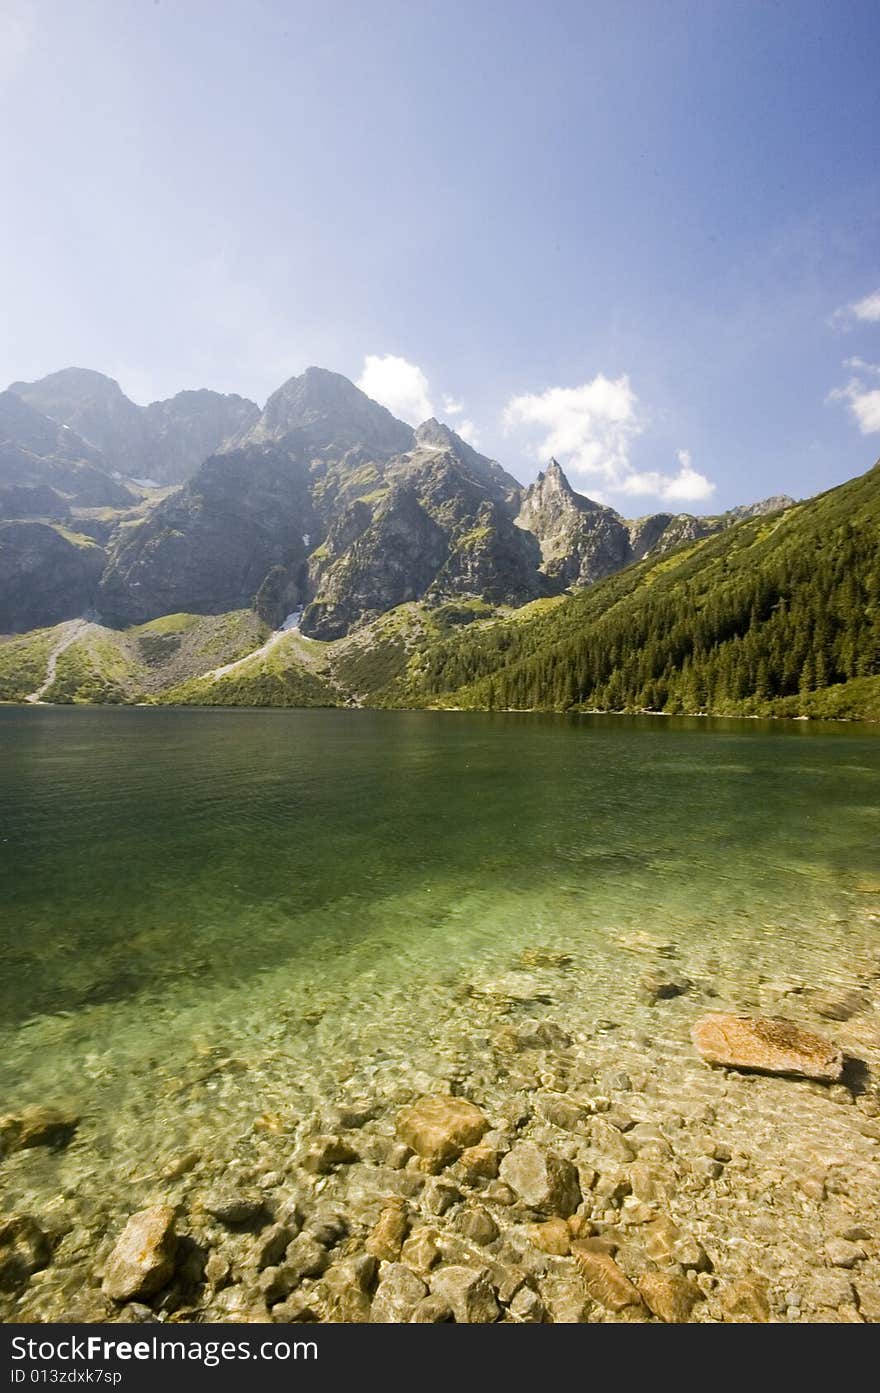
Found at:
(761, 617)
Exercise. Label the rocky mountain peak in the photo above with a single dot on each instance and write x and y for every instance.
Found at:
(332, 413)
(434, 435)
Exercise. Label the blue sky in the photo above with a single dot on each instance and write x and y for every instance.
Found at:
(644, 233)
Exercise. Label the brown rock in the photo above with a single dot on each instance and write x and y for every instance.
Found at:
(767, 1045)
(746, 1301)
(37, 1126)
(347, 1285)
(478, 1225)
(386, 1239)
(440, 1128)
(604, 1280)
(479, 1163)
(553, 1236)
(143, 1260)
(669, 1297)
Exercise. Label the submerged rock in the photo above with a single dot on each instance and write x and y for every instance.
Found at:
(24, 1249)
(143, 1260)
(386, 1239)
(233, 1206)
(838, 1004)
(604, 1280)
(545, 1181)
(468, 1292)
(440, 1128)
(323, 1153)
(37, 1126)
(398, 1294)
(768, 1045)
(746, 1301)
(668, 1296)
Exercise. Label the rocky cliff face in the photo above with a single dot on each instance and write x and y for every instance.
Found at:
(582, 541)
(46, 575)
(187, 428)
(165, 442)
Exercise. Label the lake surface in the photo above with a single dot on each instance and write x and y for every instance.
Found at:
(208, 915)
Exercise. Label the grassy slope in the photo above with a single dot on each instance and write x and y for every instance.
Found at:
(112, 666)
(23, 662)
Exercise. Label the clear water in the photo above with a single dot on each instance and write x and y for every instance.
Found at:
(208, 916)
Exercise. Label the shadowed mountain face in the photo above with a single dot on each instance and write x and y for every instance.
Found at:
(46, 574)
(165, 442)
(323, 500)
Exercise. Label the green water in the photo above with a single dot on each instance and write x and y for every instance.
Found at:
(183, 880)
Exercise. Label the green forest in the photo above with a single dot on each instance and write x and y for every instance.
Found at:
(778, 615)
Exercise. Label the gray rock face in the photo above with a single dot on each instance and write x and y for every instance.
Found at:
(187, 428)
(328, 413)
(45, 575)
(209, 547)
(582, 541)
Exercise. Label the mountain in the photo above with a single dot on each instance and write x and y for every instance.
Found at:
(164, 442)
(777, 614)
(326, 501)
(582, 541)
(322, 502)
(38, 453)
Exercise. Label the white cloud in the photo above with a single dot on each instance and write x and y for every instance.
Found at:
(397, 384)
(866, 310)
(591, 430)
(468, 431)
(869, 308)
(687, 486)
(859, 365)
(405, 390)
(862, 399)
